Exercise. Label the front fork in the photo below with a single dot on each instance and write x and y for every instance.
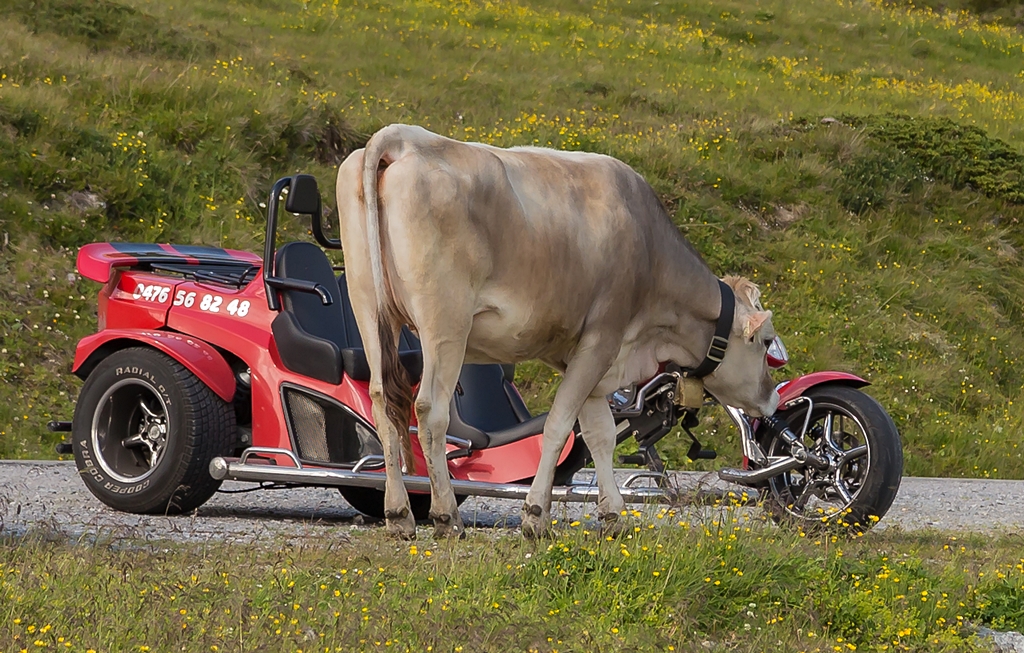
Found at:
(655, 413)
(757, 468)
(752, 452)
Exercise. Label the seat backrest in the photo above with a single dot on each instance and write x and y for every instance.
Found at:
(302, 260)
(481, 399)
(349, 331)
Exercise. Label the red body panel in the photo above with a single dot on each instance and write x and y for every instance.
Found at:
(137, 300)
(792, 389)
(512, 462)
(200, 358)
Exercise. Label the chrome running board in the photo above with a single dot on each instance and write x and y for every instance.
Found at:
(238, 469)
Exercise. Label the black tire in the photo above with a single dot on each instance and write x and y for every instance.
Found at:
(370, 502)
(144, 433)
(870, 480)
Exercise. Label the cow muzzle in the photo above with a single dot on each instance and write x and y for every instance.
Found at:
(767, 408)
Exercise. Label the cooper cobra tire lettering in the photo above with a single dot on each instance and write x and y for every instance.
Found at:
(127, 394)
(126, 489)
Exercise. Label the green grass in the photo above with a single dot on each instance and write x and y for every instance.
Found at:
(887, 240)
(722, 583)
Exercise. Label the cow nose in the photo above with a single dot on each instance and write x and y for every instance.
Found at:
(772, 405)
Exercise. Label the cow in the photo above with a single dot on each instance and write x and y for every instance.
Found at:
(505, 255)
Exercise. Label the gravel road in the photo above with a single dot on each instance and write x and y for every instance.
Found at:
(49, 495)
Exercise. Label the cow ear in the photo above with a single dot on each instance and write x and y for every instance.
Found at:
(754, 322)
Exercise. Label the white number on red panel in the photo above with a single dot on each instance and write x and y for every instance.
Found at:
(186, 299)
(212, 303)
(151, 293)
(241, 309)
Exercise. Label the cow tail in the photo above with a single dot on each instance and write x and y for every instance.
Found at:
(394, 378)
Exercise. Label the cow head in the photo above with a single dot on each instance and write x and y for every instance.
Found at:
(742, 379)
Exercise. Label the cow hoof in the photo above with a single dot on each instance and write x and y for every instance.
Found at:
(612, 524)
(536, 522)
(404, 529)
(399, 524)
(448, 526)
(448, 531)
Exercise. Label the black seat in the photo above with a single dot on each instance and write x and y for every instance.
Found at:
(487, 410)
(354, 356)
(322, 341)
(305, 331)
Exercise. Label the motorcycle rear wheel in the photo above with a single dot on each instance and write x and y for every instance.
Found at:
(854, 433)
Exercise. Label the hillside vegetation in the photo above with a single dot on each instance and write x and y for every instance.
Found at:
(861, 161)
(722, 584)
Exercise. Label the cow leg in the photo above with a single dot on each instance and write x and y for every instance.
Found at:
(367, 307)
(592, 360)
(399, 520)
(598, 427)
(441, 366)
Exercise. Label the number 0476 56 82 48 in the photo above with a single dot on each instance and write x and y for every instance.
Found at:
(211, 303)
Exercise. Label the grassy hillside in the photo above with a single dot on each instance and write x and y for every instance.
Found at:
(861, 161)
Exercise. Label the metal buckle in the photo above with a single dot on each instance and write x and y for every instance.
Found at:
(716, 352)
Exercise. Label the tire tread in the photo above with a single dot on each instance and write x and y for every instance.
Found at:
(208, 429)
(879, 490)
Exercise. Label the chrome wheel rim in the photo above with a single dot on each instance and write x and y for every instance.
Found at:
(129, 430)
(810, 494)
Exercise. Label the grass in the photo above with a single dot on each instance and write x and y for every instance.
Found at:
(721, 583)
(859, 160)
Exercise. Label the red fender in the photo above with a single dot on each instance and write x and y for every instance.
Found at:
(796, 387)
(197, 356)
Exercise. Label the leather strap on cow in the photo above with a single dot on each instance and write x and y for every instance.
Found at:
(719, 341)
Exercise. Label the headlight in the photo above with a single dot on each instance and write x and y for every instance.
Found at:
(777, 356)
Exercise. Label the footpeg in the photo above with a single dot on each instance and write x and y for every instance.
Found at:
(697, 452)
(632, 459)
(752, 477)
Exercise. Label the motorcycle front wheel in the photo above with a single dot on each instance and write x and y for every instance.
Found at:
(853, 432)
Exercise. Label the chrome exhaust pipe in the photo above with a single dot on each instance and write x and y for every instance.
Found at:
(755, 476)
(239, 470)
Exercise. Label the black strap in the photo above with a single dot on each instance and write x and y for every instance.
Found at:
(719, 341)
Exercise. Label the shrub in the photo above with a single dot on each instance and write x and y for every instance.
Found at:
(961, 155)
(105, 25)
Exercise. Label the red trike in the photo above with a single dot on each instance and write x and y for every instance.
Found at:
(213, 364)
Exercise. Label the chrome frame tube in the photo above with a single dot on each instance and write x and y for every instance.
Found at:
(375, 460)
(449, 439)
(225, 469)
(641, 396)
(750, 447)
(802, 399)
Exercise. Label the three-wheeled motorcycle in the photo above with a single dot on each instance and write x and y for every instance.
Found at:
(213, 364)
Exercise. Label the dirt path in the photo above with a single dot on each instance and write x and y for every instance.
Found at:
(49, 495)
